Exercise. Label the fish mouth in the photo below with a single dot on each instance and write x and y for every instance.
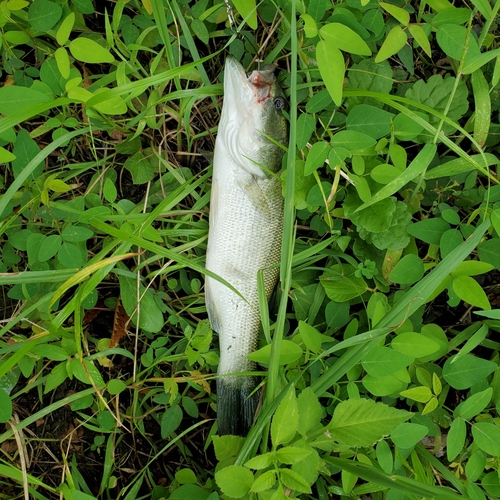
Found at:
(245, 89)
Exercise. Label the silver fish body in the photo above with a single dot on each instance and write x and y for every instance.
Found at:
(246, 222)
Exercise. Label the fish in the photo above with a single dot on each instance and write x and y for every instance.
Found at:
(245, 231)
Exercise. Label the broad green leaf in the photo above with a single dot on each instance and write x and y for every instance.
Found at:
(291, 454)
(294, 481)
(49, 247)
(44, 14)
(344, 38)
(303, 184)
(63, 63)
(170, 421)
(407, 129)
(57, 185)
(407, 435)
(482, 107)
(383, 361)
(305, 127)
(26, 149)
(449, 215)
(429, 230)
(362, 422)
(369, 120)
(495, 220)
(384, 173)
(383, 386)
(227, 447)
(341, 284)
(467, 371)
(474, 404)
(248, 11)
(393, 43)
(373, 21)
(116, 386)
(491, 483)
(451, 16)
(76, 234)
(440, 5)
(397, 12)
(414, 344)
(452, 38)
(449, 241)
(141, 166)
(199, 29)
(470, 291)
(416, 167)
(310, 336)
(85, 371)
(422, 394)
(5, 407)
(475, 465)
(348, 480)
(186, 476)
(487, 437)
(290, 352)
(456, 438)
(316, 157)
(50, 351)
(471, 268)
(319, 101)
(408, 270)
(420, 37)
(6, 156)
(260, 462)
(235, 481)
(65, 29)
(317, 9)
(489, 251)
(331, 65)
(285, 420)
(16, 38)
(264, 482)
(86, 50)
(352, 140)
(384, 456)
(70, 256)
(310, 411)
(310, 26)
(56, 377)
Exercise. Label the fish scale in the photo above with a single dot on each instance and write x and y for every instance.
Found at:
(246, 224)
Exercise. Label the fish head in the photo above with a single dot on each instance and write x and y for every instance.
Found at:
(252, 114)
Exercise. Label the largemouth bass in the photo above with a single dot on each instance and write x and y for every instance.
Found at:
(246, 223)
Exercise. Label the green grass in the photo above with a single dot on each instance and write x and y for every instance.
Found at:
(379, 361)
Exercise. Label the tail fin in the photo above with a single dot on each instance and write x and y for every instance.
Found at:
(236, 405)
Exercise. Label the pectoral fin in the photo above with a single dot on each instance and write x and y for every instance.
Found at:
(254, 192)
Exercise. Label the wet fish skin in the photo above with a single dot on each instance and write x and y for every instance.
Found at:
(246, 224)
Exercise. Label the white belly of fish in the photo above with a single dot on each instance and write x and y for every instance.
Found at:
(245, 238)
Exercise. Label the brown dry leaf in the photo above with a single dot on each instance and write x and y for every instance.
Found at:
(119, 323)
(92, 314)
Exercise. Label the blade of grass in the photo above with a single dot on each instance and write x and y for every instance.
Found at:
(288, 227)
(401, 483)
(44, 412)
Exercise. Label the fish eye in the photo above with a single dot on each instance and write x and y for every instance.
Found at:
(279, 103)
